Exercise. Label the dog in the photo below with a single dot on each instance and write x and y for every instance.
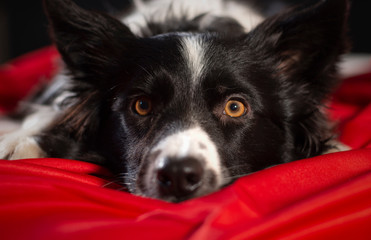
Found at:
(180, 98)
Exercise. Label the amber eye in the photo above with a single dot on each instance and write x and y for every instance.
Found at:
(235, 109)
(143, 106)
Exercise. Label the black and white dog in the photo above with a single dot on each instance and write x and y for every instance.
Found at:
(180, 98)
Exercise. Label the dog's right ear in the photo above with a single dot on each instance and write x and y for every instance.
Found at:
(304, 44)
(91, 44)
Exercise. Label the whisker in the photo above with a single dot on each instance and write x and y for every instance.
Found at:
(127, 183)
(123, 174)
(110, 183)
(127, 178)
(123, 189)
(236, 176)
(123, 179)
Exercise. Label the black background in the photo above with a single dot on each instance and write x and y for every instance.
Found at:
(23, 24)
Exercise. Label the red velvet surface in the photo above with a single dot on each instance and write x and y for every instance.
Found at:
(326, 197)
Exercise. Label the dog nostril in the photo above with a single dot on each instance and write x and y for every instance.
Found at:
(193, 179)
(180, 177)
(164, 179)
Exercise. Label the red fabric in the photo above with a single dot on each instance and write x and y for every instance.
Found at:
(326, 197)
(351, 107)
(19, 76)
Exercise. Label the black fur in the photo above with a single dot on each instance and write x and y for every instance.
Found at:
(284, 70)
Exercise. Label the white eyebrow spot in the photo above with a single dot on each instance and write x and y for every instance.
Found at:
(194, 53)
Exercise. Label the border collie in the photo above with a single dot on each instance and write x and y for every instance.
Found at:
(180, 98)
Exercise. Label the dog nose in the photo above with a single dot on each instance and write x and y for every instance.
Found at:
(180, 177)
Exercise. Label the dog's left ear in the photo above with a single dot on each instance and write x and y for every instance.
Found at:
(304, 44)
(92, 44)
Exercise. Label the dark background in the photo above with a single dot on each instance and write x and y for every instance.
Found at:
(23, 24)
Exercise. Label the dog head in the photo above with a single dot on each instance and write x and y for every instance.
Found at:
(180, 114)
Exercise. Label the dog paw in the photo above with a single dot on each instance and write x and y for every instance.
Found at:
(14, 146)
(336, 146)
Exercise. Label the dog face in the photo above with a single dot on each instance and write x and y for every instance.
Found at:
(185, 110)
(180, 114)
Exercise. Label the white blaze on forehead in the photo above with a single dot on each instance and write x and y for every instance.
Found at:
(193, 142)
(194, 54)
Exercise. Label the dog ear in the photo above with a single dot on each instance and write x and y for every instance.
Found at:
(304, 46)
(91, 44)
(306, 43)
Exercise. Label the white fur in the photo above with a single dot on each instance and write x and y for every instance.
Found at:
(188, 144)
(193, 142)
(8, 125)
(21, 143)
(337, 147)
(60, 85)
(194, 53)
(160, 10)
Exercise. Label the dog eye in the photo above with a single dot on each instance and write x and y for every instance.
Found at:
(235, 109)
(143, 106)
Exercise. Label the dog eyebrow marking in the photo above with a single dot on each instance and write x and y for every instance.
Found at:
(194, 53)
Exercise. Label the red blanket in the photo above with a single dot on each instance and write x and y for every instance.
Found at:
(326, 197)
